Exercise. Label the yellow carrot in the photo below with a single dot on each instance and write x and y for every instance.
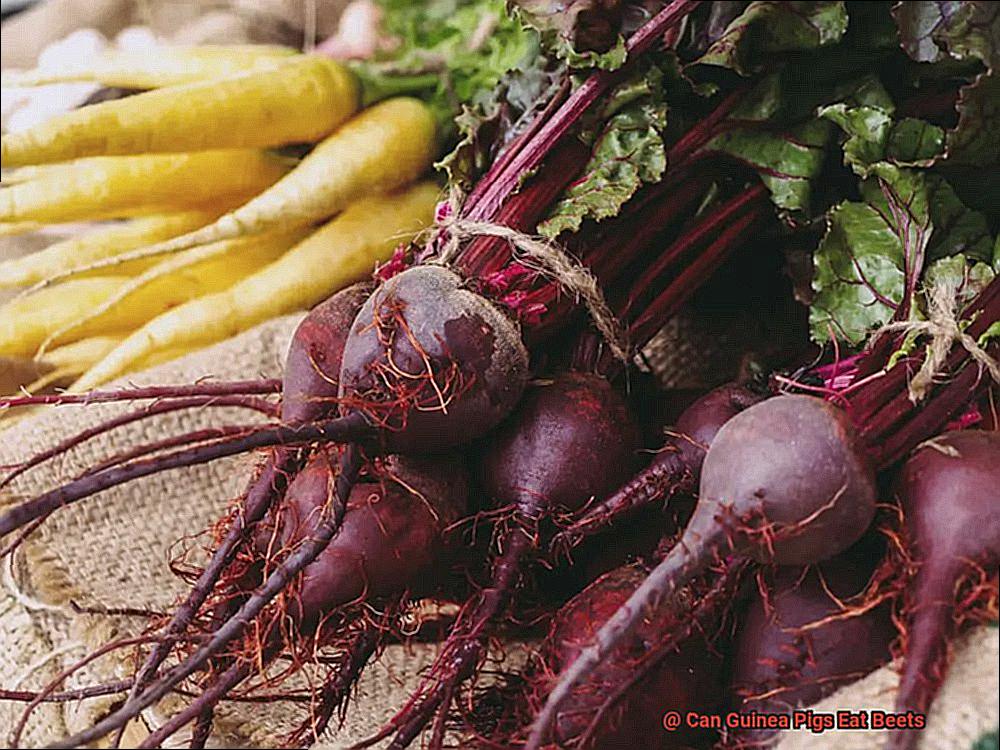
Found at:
(163, 66)
(9, 229)
(196, 272)
(299, 101)
(81, 353)
(340, 253)
(112, 186)
(383, 148)
(75, 253)
(27, 321)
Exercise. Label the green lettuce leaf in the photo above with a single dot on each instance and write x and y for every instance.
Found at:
(766, 28)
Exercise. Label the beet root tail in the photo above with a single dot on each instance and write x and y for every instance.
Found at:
(931, 625)
(655, 483)
(335, 691)
(338, 430)
(266, 490)
(464, 648)
(234, 627)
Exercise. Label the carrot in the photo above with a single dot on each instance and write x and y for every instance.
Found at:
(383, 148)
(338, 254)
(196, 272)
(26, 322)
(72, 360)
(12, 229)
(163, 66)
(114, 186)
(299, 101)
(74, 253)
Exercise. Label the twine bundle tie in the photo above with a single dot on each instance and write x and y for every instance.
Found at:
(944, 329)
(541, 255)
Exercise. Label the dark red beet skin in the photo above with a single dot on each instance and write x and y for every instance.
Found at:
(572, 439)
(392, 534)
(785, 481)
(778, 668)
(312, 365)
(948, 491)
(675, 468)
(434, 363)
(621, 704)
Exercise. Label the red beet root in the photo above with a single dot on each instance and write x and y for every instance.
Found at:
(570, 439)
(675, 469)
(431, 363)
(948, 493)
(809, 636)
(392, 534)
(785, 481)
(621, 703)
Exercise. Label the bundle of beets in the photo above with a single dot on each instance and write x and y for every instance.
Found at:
(491, 348)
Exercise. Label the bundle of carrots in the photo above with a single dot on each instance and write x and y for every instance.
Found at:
(213, 229)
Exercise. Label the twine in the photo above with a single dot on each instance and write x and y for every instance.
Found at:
(541, 255)
(943, 327)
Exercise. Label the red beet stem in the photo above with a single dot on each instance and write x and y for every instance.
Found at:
(679, 291)
(350, 465)
(164, 407)
(881, 408)
(237, 387)
(501, 183)
(264, 492)
(345, 429)
(716, 219)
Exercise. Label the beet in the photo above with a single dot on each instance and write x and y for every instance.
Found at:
(572, 437)
(621, 703)
(788, 655)
(392, 534)
(312, 366)
(948, 494)
(676, 467)
(785, 481)
(431, 363)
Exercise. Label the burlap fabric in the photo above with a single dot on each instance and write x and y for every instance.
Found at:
(112, 551)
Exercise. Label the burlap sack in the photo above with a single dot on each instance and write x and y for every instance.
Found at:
(112, 551)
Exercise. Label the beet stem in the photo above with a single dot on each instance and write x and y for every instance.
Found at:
(345, 429)
(236, 387)
(164, 407)
(350, 464)
(501, 183)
